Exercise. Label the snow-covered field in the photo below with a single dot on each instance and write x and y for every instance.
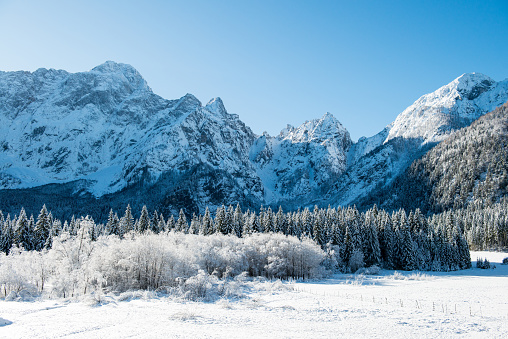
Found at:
(471, 303)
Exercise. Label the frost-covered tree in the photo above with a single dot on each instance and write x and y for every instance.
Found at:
(238, 221)
(127, 221)
(194, 225)
(42, 229)
(7, 235)
(23, 234)
(220, 220)
(207, 226)
(171, 224)
(181, 223)
(143, 223)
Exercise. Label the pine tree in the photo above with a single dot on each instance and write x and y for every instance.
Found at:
(113, 224)
(238, 221)
(181, 223)
(318, 230)
(207, 224)
(42, 230)
(143, 223)
(371, 248)
(23, 234)
(268, 221)
(194, 225)
(7, 238)
(230, 212)
(248, 226)
(349, 247)
(127, 221)
(280, 224)
(220, 220)
(154, 222)
(171, 224)
(305, 223)
(161, 226)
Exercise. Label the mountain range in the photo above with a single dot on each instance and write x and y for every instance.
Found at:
(90, 141)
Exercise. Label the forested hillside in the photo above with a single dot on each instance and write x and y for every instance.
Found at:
(469, 166)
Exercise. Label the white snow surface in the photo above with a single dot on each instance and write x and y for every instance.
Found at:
(470, 303)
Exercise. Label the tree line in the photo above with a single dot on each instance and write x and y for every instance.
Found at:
(351, 239)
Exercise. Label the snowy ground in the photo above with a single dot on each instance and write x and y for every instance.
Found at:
(470, 303)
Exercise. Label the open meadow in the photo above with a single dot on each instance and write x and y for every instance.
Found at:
(467, 303)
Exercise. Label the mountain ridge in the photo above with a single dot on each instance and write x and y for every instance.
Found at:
(107, 132)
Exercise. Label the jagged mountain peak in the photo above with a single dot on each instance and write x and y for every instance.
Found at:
(114, 67)
(216, 105)
(327, 127)
(119, 70)
(472, 85)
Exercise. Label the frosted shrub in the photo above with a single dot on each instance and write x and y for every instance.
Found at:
(356, 261)
(145, 261)
(16, 274)
(221, 255)
(332, 261)
(280, 256)
(192, 266)
(373, 270)
(197, 287)
(71, 257)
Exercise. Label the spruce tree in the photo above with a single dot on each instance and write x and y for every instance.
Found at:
(181, 223)
(207, 224)
(248, 226)
(7, 238)
(42, 229)
(171, 223)
(371, 248)
(143, 223)
(220, 220)
(280, 224)
(194, 225)
(238, 221)
(23, 234)
(154, 222)
(127, 221)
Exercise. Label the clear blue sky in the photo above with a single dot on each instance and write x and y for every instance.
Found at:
(272, 62)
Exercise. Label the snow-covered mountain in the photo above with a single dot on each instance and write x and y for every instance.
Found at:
(107, 127)
(300, 162)
(104, 137)
(374, 162)
(434, 116)
(107, 132)
(471, 166)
